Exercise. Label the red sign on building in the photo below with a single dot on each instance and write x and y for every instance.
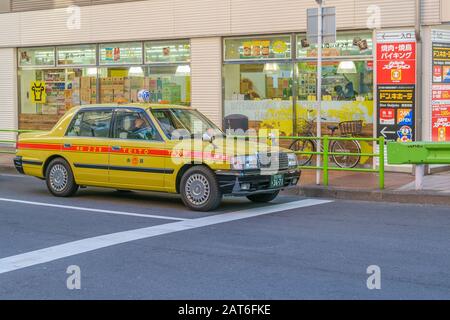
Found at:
(396, 63)
(440, 117)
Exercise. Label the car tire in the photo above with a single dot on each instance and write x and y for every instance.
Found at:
(60, 179)
(200, 190)
(263, 197)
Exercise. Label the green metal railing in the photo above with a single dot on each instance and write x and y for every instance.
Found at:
(325, 154)
(326, 168)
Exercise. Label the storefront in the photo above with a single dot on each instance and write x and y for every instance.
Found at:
(271, 82)
(54, 79)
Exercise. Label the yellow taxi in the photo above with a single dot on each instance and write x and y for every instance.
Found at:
(162, 148)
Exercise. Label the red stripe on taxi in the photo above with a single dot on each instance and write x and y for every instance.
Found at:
(38, 146)
(125, 150)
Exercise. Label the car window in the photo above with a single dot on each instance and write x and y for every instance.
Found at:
(167, 121)
(91, 124)
(182, 122)
(134, 126)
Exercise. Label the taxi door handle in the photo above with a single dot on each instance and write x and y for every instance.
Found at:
(115, 148)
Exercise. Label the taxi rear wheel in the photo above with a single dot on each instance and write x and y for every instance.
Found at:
(200, 190)
(263, 197)
(59, 178)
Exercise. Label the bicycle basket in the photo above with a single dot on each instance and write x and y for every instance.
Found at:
(304, 127)
(351, 127)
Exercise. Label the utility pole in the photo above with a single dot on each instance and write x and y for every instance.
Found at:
(319, 88)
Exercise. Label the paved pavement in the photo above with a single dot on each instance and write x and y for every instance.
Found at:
(148, 246)
(6, 160)
(358, 180)
(437, 182)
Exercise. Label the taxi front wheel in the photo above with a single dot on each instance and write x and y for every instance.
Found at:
(59, 178)
(200, 190)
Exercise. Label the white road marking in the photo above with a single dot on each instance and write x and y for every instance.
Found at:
(14, 175)
(69, 249)
(122, 213)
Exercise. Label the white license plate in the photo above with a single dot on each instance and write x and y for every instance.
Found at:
(277, 181)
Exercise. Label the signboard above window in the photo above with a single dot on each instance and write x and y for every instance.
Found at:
(258, 48)
(82, 55)
(346, 45)
(121, 53)
(167, 52)
(33, 57)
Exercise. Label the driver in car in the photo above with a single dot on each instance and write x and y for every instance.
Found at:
(138, 125)
(141, 130)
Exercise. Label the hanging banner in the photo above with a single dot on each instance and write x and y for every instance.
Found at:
(440, 95)
(396, 85)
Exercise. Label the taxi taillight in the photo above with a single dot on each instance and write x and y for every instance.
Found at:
(17, 140)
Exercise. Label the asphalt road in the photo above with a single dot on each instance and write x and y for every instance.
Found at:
(148, 246)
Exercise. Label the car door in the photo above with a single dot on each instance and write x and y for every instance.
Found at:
(86, 145)
(137, 153)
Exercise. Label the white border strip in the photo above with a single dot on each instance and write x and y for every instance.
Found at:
(90, 244)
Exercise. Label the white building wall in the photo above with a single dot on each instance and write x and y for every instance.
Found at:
(8, 92)
(206, 76)
(445, 10)
(431, 12)
(168, 19)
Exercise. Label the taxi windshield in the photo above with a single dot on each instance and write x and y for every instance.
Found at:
(178, 123)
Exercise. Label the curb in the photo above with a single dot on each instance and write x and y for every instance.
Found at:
(8, 170)
(418, 197)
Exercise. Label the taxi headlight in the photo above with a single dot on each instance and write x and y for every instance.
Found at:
(244, 162)
(292, 160)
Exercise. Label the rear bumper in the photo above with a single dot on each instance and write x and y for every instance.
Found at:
(18, 163)
(230, 182)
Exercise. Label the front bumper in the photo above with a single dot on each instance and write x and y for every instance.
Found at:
(18, 163)
(230, 182)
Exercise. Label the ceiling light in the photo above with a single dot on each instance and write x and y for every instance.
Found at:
(91, 72)
(271, 68)
(183, 70)
(346, 67)
(136, 72)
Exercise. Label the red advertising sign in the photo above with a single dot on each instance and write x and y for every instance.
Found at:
(440, 117)
(396, 63)
(441, 92)
(396, 85)
(387, 116)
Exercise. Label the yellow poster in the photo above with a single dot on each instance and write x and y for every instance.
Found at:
(279, 46)
(38, 94)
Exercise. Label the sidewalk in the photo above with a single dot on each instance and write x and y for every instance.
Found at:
(438, 183)
(357, 180)
(399, 187)
(6, 162)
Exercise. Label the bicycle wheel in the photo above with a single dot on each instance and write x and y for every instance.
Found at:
(346, 161)
(303, 146)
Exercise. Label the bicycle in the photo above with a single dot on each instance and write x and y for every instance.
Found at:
(347, 129)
